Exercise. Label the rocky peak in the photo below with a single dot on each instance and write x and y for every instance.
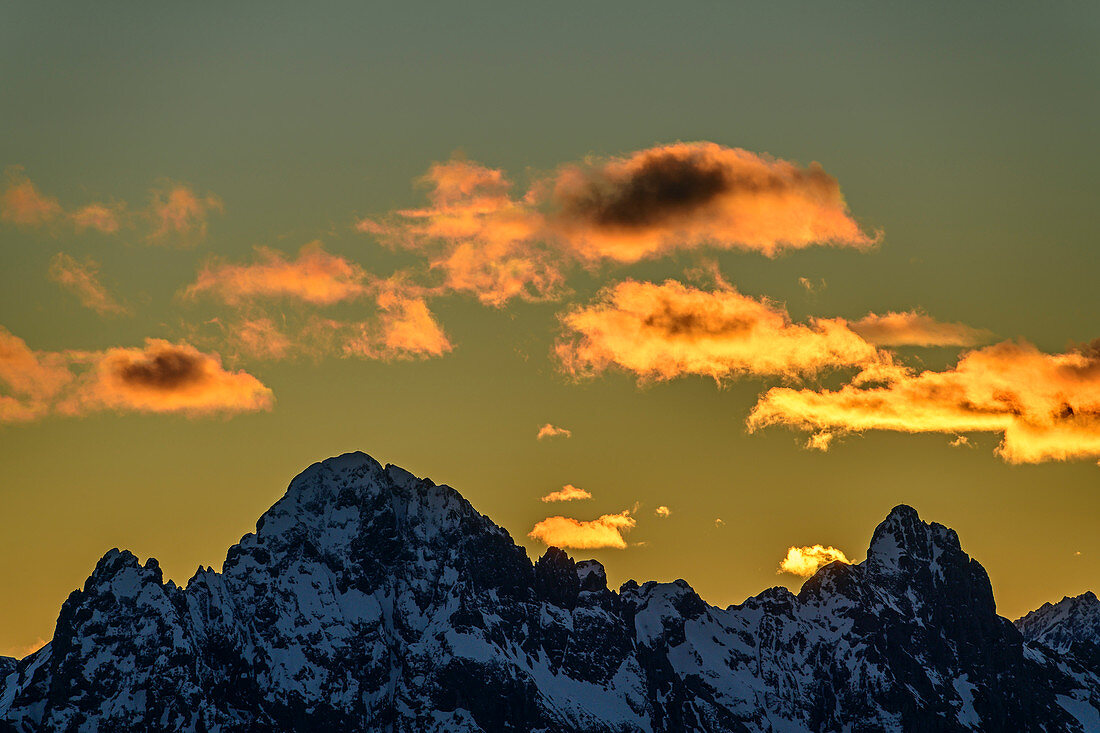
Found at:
(592, 575)
(556, 578)
(1070, 626)
(902, 541)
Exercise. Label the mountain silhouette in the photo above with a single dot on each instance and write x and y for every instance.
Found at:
(370, 599)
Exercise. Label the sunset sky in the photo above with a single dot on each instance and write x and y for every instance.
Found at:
(684, 289)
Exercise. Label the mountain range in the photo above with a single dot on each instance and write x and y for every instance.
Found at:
(369, 599)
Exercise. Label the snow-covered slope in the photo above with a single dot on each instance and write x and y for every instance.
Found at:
(369, 599)
(1068, 628)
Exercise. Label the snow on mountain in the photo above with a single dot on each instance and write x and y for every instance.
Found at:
(369, 599)
(1069, 627)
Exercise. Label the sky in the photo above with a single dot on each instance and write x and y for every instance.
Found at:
(699, 291)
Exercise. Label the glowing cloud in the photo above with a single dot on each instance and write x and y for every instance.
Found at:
(805, 561)
(553, 431)
(663, 512)
(1046, 406)
(481, 240)
(407, 330)
(497, 247)
(607, 531)
(668, 330)
(161, 377)
(83, 280)
(819, 441)
(30, 378)
(912, 328)
(166, 377)
(315, 277)
(180, 216)
(23, 204)
(686, 195)
(569, 492)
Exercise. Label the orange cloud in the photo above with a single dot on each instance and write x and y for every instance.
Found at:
(103, 218)
(1046, 406)
(31, 379)
(315, 277)
(805, 561)
(668, 330)
(687, 195)
(663, 512)
(569, 492)
(607, 531)
(161, 377)
(23, 204)
(180, 216)
(553, 431)
(407, 330)
(83, 280)
(260, 338)
(482, 241)
(912, 328)
(165, 377)
(497, 247)
(820, 441)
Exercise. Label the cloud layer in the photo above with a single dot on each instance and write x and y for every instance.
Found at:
(1045, 406)
(606, 531)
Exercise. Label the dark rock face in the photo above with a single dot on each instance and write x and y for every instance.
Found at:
(369, 599)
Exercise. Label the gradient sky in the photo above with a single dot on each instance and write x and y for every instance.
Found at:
(961, 135)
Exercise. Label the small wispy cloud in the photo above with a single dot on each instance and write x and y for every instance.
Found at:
(913, 328)
(553, 431)
(82, 279)
(569, 492)
(179, 216)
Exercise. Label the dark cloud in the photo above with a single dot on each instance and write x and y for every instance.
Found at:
(665, 184)
(168, 369)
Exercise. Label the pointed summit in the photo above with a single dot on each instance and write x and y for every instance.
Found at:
(902, 543)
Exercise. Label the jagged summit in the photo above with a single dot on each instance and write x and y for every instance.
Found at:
(1070, 627)
(903, 539)
(370, 599)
